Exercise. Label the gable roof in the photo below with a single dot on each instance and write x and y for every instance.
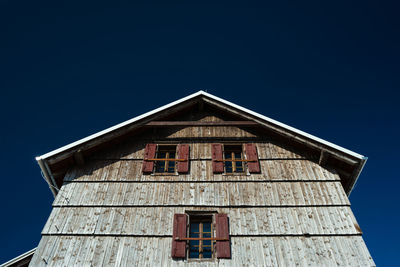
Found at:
(324, 148)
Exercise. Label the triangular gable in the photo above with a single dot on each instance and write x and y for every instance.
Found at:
(350, 163)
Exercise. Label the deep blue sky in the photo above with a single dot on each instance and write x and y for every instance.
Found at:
(70, 69)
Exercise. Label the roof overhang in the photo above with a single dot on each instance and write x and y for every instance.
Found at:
(21, 260)
(323, 147)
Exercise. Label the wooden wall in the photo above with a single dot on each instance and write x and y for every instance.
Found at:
(294, 213)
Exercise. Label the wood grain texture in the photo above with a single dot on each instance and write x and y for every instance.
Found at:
(204, 194)
(246, 251)
(157, 221)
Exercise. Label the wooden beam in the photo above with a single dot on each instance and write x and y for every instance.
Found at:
(165, 159)
(235, 160)
(201, 105)
(78, 157)
(323, 158)
(202, 238)
(199, 123)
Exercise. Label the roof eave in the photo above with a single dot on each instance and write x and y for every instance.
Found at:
(19, 258)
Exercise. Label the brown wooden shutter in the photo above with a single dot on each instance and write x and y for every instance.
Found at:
(149, 153)
(251, 154)
(223, 247)
(217, 163)
(183, 153)
(179, 231)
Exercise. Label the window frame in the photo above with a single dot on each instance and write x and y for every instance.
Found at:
(201, 218)
(234, 148)
(219, 232)
(166, 162)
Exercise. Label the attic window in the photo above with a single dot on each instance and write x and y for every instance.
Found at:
(232, 159)
(161, 159)
(165, 159)
(233, 155)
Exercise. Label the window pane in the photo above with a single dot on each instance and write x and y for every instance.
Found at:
(193, 242)
(207, 253)
(228, 166)
(193, 254)
(239, 166)
(194, 227)
(171, 166)
(207, 235)
(206, 227)
(160, 166)
(228, 155)
(238, 155)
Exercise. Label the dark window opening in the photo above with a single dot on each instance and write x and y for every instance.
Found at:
(165, 162)
(201, 227)
(234, 161)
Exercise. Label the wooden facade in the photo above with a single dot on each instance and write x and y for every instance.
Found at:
(294, 212)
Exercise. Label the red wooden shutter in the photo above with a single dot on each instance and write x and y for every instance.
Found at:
(183, 153)
(179, 231)
(251, 154)
(217, 163)
(223, 247)
(149, 153)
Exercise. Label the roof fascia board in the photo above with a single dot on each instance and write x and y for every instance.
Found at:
(358, 172)
(18, 258)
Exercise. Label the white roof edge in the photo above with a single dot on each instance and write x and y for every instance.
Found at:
(272, 121)
(18, 258)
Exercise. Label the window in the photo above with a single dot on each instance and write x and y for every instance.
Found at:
(166, 159)
(235, 159)
(201, 236)
(201, 227)
(165, 162)
(233, 162)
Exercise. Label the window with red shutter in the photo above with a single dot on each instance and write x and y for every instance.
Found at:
(166, 159)
(208, 236)
(230, 159)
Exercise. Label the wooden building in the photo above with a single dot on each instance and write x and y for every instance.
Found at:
(201, 182)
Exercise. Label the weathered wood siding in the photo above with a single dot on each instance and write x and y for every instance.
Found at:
(246, 251)
(243, 221)
(294, 212)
